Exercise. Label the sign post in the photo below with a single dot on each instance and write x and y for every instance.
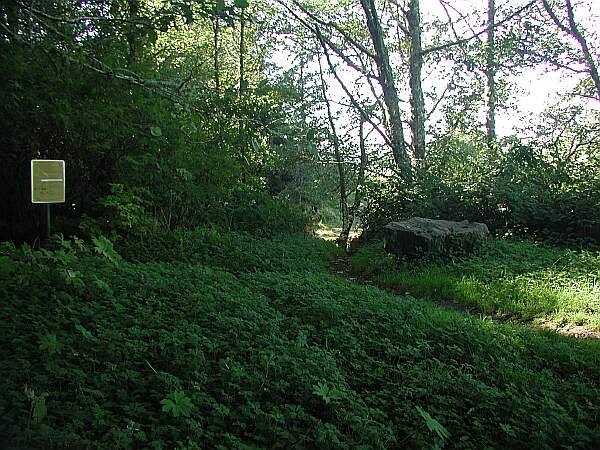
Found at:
(47, 184)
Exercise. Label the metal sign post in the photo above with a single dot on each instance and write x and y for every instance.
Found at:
(47, 184)
(48, 227)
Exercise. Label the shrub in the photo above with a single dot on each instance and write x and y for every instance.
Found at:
(515, 188)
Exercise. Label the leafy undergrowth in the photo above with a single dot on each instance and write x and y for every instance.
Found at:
(523, 279)
(235, 252)
(100, 352)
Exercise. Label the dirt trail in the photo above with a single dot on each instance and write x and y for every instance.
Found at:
(340, 266)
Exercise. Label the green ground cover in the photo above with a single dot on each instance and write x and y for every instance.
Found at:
(208, 345)
(523, 279)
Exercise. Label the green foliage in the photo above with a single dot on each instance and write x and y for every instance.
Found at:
(39, 410)
(105, 248)
(57, 110)
(50, 343)
(200, 322)
(233, 251)
(433, 425)
(173, 353)
(522, 279)
(124, 212)
(326, 393)
(135, 160)
(371, 260)
(177, 404)
(513, 188)
(174, 185)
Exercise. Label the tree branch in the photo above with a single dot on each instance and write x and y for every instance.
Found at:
(554, 17)
(354, 102)
(336, 27)
(330, 44)
(478, 34)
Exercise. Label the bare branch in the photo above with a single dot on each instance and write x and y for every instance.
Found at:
(479, 33)
(440, 98)
(354, 102)
(337, 28)
(327, 41)
(554, 17)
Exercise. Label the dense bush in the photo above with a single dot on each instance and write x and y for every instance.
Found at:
(137, 162)
(51, 110)
(514, 188)
(158, 195)
(98, 351)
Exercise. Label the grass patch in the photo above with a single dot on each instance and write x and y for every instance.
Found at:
(99, 352)
(525, 279)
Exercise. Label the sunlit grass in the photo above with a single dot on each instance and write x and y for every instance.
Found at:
(524, 280)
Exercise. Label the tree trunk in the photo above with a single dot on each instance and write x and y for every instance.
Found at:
(360, 181)
(417, 102)
(573, 30)
(587, 54)
(242, 50)
(12, 18)
(346, 223)
(390, 94)
(490, 122)
(216, 54)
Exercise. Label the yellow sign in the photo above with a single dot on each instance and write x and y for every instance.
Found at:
(47, 181)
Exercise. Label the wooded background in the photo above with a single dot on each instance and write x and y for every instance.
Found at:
(179, 113)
